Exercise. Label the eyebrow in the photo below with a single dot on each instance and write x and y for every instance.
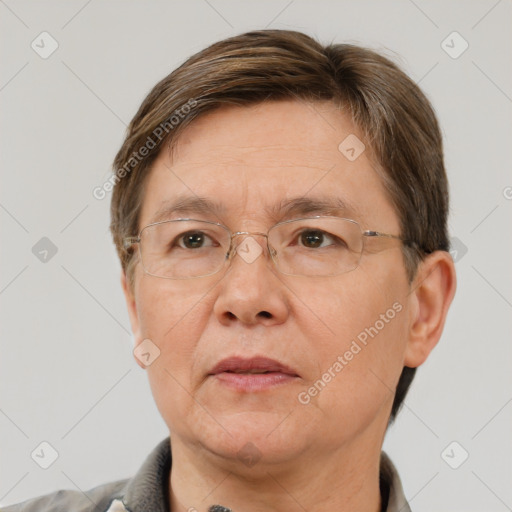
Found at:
(319, 205)
(285, 209)
(186, 205)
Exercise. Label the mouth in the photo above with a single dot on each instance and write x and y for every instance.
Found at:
(253, 374)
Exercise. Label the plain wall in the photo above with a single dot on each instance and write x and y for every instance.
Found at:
(67, 374)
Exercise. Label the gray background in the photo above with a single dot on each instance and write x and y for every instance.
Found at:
(67, 375)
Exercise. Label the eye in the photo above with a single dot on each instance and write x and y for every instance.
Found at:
(316, 238)
(193, 240)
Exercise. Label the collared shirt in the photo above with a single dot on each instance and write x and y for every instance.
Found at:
(148, 490)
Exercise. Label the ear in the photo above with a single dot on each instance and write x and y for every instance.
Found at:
(131, 304)
(431, 294)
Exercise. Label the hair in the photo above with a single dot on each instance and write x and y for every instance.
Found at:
(395, 118)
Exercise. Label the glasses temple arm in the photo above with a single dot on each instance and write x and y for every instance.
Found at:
(130, 240)
(370, 233)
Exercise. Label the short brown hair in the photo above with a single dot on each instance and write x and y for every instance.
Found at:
(394, 116)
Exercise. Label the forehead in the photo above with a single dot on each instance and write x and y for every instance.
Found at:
(251, 163)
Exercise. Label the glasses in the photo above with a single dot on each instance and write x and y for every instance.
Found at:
(314, 246)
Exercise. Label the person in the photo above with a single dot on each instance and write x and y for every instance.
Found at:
(279, 209)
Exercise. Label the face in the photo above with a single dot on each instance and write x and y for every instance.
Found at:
(342, 339)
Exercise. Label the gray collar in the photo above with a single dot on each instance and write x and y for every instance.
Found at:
(148, 490)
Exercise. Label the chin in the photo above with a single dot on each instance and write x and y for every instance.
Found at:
(256, 439)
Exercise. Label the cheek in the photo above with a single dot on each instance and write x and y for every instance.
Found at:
(359, 353)
(166, 306)
(173, 316)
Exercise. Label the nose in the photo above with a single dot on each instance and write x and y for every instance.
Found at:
(251, 291)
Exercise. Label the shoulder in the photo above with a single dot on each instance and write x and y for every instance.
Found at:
(146, 491)
(97, 499)
(391, 488)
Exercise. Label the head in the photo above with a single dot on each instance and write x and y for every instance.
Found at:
(252, 123)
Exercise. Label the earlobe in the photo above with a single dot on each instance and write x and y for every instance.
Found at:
(431, 294)
(131, 305)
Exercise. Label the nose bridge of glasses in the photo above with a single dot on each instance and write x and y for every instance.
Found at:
(248, 233)
(243, 236)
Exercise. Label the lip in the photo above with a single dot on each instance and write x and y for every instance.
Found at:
(242, 364)
(235, 373)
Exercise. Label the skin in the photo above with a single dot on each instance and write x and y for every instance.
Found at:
(320, 456)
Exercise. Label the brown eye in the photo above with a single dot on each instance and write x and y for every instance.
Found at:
(312, 239)
(318, 239)
(194, 240)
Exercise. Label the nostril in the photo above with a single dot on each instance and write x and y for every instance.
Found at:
(265, 314)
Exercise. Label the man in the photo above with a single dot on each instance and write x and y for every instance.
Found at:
(280, 215)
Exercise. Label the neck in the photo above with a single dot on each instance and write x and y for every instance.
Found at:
(344, 480)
